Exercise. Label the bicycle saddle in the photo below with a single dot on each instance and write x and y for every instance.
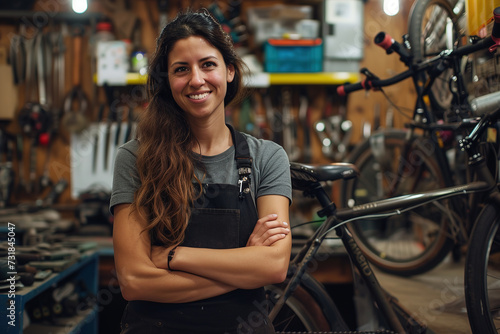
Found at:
(303, 176)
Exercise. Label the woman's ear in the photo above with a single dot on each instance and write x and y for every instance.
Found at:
(230, 72)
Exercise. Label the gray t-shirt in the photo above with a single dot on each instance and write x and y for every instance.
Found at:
(270, 170)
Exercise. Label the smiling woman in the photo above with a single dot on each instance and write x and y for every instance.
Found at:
(198, 77)
(200, 209)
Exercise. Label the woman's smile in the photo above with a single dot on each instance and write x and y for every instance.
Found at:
(199, 96)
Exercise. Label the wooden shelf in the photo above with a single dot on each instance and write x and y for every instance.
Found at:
(321, 78)
(269, 79)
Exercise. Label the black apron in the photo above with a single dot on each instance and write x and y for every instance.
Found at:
(223, 217)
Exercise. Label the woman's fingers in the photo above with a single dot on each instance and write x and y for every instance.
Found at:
(267, 231)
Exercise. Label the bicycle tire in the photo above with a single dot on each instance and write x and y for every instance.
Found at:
(433, 26)
(310, 308)
(392, 244)
(482, 269)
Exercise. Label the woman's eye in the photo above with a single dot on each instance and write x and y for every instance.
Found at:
(180, 69)
(209, 64)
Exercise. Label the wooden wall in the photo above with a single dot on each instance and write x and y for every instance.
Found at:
(360, 106)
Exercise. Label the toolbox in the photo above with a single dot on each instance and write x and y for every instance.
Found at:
(293, 56)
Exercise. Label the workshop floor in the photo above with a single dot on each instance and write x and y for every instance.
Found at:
(436, 298)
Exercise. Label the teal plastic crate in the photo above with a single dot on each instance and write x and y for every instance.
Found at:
(293, 56)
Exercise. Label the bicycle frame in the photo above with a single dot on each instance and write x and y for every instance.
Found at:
(336, 220)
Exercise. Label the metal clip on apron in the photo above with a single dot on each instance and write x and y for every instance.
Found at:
(223, 217)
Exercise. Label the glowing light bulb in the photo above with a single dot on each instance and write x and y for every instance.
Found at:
(79, 6)
(391, 7)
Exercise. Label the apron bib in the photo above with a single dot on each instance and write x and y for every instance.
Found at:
(223, 217)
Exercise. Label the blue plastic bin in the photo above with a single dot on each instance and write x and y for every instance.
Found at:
(293, 56)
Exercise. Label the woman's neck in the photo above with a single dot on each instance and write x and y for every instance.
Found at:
(212, 139)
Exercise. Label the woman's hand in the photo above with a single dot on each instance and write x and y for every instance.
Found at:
(267, 231)
(159, 256)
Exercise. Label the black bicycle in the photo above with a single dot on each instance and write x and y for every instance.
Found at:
(420, 158)
(302, 304)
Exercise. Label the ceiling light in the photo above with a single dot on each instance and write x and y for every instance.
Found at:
(391, 7)
(79, 6)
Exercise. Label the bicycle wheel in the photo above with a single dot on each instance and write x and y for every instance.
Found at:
(309, 309)
(410, 243)
(301, 312)
(482, 273)
(434, 26)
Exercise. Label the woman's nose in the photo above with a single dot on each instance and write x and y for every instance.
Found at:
(197, 78)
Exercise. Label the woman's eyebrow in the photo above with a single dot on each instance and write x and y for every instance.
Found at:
(185, 62)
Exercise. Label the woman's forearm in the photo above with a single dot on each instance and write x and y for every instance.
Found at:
(246, 268)
(158, 285)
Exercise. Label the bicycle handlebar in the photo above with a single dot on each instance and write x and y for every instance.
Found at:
(385, 41)
(388, 43)
(368, 83)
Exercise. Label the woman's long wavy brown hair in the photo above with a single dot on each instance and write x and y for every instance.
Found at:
(164, 159)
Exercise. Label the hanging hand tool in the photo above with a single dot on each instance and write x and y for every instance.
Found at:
(18, 55)
(118, 119)
(304, 117)
(262, 130)
(274, 118)
(100, 115)
(45, 85)
(55, 68)
(34, 118)
(130, 124)
(326, 142)
(6, 172)
(334, 131)
(107, 137)
(74, 119)
(289, 126)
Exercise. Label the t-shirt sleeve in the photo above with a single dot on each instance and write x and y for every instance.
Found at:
(274, 172)
(125, 178)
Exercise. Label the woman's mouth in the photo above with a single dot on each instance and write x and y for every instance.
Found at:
(198, 96)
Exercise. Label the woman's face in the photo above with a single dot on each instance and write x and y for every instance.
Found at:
(198, 77)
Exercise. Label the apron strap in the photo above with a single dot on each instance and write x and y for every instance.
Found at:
(243, 161)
